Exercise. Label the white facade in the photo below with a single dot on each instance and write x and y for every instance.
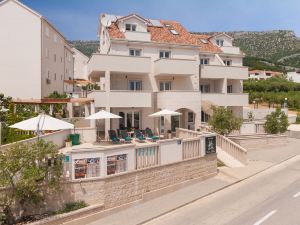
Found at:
(35, 58)
(80, 64)
(139, 76)
(294, 76)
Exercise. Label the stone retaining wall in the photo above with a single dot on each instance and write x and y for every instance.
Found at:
(124, 188)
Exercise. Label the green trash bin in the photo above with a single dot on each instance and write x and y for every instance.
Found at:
(75, 139)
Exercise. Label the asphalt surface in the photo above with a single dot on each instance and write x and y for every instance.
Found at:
(270, 198)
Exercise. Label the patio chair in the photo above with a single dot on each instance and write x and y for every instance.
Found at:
(125, 136)
(113, 137)
(139, 136)
(151, 135)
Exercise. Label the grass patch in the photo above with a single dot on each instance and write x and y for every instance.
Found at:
(219, 163)
(72, 206)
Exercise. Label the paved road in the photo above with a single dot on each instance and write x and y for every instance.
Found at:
(270, 198)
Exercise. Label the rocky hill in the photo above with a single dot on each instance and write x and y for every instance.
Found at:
(86, 47)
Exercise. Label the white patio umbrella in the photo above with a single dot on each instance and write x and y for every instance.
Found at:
(165, 112)
(41, 123)
(103, 115)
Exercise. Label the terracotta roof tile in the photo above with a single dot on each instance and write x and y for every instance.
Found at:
(163, 35)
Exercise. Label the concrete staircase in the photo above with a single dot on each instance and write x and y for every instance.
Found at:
(227, 159)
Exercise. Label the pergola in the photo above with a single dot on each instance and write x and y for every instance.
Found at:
(69, 102)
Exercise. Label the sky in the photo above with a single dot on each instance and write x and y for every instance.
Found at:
(78, 19)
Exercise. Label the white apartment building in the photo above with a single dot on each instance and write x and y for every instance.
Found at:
(145, 65)
(263, 74)
(35, 58)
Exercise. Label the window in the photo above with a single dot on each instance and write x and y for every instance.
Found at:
(61, 77)
(204, 41)
(135, 85)
(47, 52)
(54, 57)
(220, 42)
(116, 164)
(205, 88)
(61, 59)
(168, 25)
(55, 76)
(55, 38)
(130, 119)
(48, 74)
(47, 31)
(229, 89)
(227, 62)
(204, 61)
(86, 168)
(130, 27)
(165, 54)
(135, 52)
(190, 117)
(165, 85)
(174, 32)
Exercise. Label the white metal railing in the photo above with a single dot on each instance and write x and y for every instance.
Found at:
(191, 148)
(146, 156)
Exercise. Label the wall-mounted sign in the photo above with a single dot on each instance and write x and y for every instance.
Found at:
(210, 145)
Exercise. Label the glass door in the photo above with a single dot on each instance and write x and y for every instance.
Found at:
(175, 121)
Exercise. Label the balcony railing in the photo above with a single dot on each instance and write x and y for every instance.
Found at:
(178, 99)
(119, 63)
(175, 67)
(230, 99)
(221, 72)
(121, 98)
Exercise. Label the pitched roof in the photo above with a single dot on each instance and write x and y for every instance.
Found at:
(162, 34)
(206, 47)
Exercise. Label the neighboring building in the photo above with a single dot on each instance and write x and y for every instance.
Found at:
(35, 58)
(294, 76)
(145, 65)
(263, 74)
(80, 64)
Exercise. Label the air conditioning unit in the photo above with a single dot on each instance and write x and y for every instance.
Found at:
(48, 81)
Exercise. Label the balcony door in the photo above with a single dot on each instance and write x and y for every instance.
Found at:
(135, 85)
(130, 119)
(165, 85)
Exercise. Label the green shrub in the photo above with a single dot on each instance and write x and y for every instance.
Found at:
(277, 122)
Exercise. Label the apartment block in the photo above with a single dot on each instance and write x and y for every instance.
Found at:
(35, 58)
(144, 65)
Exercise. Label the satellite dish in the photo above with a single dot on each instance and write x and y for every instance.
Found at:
(106, 22)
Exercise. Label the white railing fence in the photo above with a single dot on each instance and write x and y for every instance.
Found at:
(191, 148)
(147, 156)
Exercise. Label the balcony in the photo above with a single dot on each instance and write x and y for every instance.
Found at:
(231, 50)
(221, 72)
(138, 36)
(232, 99)
(174, 100)
(119, 63)
(121, 98)
(175, 67)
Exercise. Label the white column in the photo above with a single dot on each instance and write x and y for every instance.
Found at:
(51, 109)
(197, 119)
(224, 90)
(86, 110)
(93, 122)
(37, 108)
(107, 90)
(107, 124)
(70, 109)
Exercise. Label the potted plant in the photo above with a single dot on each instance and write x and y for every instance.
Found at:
(75, 138)
(68, 141)
(169, 132)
